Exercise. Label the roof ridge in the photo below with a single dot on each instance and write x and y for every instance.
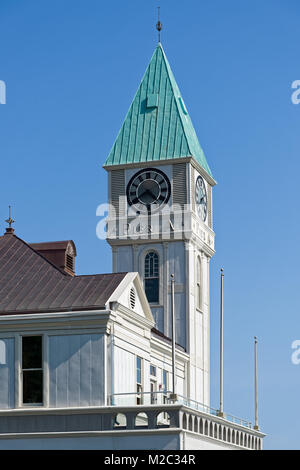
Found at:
(39, 254)
(101, 274)
(175, 91)
(170, 77)
(130, 106)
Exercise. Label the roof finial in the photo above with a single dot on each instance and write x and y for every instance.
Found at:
(159, 24)
(10, 221)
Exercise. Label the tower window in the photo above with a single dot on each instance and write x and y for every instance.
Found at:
(151, 278)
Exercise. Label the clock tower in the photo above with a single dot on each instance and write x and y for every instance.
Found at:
(160, 218)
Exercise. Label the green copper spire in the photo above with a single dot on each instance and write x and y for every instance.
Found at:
(157, 126)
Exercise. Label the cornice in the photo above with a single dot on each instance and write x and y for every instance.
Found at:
(171, 161)
(54, 321)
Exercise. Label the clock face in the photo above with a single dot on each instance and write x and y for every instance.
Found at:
(148, 190)
(201, 198)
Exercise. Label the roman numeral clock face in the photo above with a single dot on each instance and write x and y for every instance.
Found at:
(148, 190)
(201, 198)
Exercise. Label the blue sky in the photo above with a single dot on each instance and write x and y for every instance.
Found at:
(72, 68)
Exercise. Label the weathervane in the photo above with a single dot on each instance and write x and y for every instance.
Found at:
(10, 221)
(159, 24)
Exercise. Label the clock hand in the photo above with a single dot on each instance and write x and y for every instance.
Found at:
(149, 192)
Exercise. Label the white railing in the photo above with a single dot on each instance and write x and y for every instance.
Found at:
(165, 397)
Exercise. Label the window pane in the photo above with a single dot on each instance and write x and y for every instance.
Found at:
(33, 386)
(31, 352)
(2, 352)
(139, 370)
(151, 265)
(151, 289)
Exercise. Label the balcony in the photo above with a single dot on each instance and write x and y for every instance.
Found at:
(193, 417)
(182, 424)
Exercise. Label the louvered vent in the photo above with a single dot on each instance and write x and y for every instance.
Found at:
(117, 190)
(179, 184)
(193, 187)
(70, 262)
(132, 298)
(209, 205)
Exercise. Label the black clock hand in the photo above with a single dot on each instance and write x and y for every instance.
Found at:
(149, 192)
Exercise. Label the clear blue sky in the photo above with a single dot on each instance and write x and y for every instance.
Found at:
(71, 70)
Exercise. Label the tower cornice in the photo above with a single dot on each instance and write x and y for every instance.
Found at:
(189, 159)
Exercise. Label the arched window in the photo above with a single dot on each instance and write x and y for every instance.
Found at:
(198, 284)
(151, 277)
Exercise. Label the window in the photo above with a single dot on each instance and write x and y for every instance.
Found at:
(139, 387)
(198, 284)
(32, 370)
(151, 277)
(152, 370)
(2, 352)
(153, 389)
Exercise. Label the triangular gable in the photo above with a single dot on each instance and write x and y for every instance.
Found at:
(157, 126)
(122, 295)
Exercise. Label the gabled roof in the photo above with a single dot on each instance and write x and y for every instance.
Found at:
(157, 126)
(29, 283)
(52, 246)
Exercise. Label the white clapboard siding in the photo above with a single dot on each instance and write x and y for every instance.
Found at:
(125, 374)
(7, 373)
(76, 370)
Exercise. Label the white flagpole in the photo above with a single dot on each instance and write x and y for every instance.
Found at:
(255, 384)
(221, 412)
(173, 396)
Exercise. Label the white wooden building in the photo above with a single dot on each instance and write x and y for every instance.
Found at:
(86, 361)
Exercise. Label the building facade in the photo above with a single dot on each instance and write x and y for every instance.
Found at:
(86, 361)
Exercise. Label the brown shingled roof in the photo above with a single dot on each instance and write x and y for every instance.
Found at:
(29, 283)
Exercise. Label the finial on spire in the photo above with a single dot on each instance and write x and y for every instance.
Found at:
(10, 221)
(159, 24)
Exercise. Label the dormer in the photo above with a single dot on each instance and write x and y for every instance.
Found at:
(61, 253)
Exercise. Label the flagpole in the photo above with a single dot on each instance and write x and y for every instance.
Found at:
(173, 396)
(255, 384)
(221, 412)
